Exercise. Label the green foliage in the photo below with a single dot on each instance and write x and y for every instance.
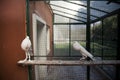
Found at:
(104, 39)
(109, 29)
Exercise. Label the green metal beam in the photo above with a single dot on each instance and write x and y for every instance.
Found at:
(69, 14)
(107, 15)
(27, 18)
(86, 6)
(118, 47)
(88, 36)
(69, 17)
(68, 23)
(28, 33)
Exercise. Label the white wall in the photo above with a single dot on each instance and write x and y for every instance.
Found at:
(40, 45)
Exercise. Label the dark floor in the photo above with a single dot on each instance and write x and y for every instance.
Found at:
(72, 73)
(68, 73)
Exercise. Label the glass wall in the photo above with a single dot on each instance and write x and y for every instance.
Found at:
(65, 35)
(104, 42)
(104, 38)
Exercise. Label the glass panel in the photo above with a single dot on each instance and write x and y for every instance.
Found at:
(79, 8)
(67, 5)
(97, 13)
(96, 39)
(60, 19)
(110, 36)
(101, 8)
(78, 32)
(80, 2)
(61, 8)
(64, 8)
(102, 5)
(74, 21)
(61, 40)
(104, 42)
(69, 16)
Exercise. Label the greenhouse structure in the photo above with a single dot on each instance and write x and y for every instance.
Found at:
(53, 26)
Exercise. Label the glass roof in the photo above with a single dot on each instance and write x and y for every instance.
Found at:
(75, 11)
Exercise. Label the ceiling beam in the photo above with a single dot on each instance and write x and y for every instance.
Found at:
(69, 17)
(67, 23)
(69, 14)
(86, 6)
(110, 14)
(74, 10)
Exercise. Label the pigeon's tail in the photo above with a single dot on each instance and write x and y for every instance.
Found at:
(90, 58)
(93, 58)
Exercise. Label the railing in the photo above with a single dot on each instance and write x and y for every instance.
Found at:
(70, 63)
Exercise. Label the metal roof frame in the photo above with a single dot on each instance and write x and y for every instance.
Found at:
(69, 14)
(110, 14)
(86, 6)
(74, 10)
(70, 17)
(95, 17)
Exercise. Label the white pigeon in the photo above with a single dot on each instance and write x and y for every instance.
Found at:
(83, 51)
(26, 45)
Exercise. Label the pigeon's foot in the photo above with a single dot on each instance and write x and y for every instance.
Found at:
(88, 58)
(30, 60)
(21, 61)
(82, 59)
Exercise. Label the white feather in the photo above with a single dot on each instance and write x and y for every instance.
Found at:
(26, 44)
(82, 50)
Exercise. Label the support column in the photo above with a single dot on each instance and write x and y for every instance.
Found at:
(52, 45)
(88, 35)
(70, 39)
(28, 33)
(102, 38)
(27, 19)
(118, 49)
